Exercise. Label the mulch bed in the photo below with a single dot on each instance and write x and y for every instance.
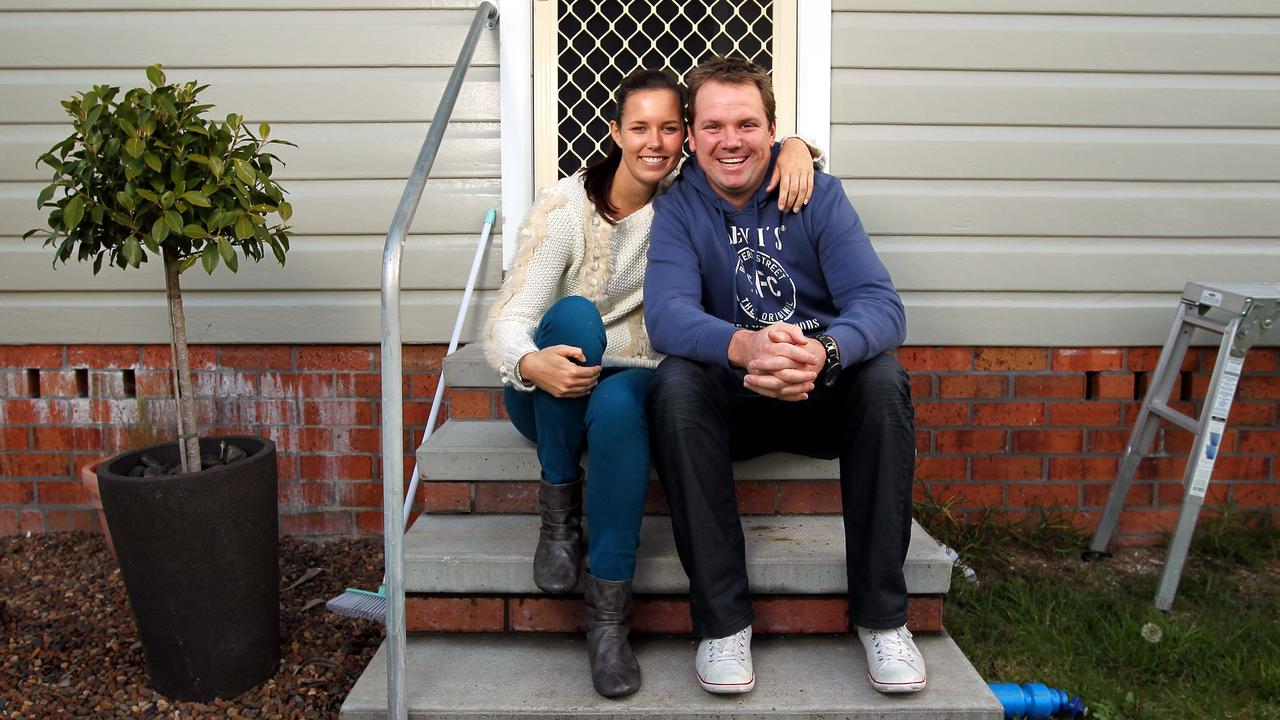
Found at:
(70, 648)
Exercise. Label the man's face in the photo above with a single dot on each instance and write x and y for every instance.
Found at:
(732, 139)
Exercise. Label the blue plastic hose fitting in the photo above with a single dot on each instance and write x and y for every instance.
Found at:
(1035, 701)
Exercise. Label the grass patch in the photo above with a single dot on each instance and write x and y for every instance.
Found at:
(1040, 614)
(994, 537)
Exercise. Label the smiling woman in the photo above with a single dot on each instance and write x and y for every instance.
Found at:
(647, 130)
(650, 144)
(567, 336)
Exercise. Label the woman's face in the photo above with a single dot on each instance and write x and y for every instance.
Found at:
(650, 135)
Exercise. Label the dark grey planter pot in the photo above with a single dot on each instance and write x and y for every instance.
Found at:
(200, 556)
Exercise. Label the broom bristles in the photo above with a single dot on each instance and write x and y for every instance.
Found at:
(360, 604)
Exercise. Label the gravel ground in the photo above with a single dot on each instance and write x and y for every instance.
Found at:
(70, 649)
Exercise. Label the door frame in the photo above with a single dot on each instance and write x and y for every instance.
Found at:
(809, 96)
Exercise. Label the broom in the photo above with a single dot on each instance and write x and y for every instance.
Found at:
(365, 604)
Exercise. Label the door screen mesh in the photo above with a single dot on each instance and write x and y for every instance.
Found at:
(601, 42)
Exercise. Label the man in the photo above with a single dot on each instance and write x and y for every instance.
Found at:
(777, 327)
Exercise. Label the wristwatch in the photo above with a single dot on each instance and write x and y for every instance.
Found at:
(831, 370)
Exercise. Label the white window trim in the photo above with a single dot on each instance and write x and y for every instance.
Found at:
(813, 75)
(515, 75)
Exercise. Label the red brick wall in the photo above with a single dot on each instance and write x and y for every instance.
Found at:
(1011, 428)
(653, 614)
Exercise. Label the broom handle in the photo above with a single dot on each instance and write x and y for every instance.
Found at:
(453, 345)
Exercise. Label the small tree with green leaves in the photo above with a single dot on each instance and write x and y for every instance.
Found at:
(146, 174)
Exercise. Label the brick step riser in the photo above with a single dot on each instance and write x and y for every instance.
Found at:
(666, 615)
(783, 497)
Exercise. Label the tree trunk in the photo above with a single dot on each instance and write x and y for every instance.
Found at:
(188, 434)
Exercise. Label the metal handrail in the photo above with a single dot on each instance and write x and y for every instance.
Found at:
(392, 395)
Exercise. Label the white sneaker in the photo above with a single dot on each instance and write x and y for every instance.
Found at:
(894, 663)
(724, 664)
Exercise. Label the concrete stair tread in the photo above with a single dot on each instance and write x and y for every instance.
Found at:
(477, 450)
(467, 368)
(523, 676)
(786, 554)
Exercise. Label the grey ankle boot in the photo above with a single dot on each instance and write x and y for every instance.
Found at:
(614, 670)
(559, 553)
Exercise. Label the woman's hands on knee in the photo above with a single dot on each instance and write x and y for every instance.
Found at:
(554, 370)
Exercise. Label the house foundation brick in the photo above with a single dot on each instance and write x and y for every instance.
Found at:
(650, 614)
(950, 442)
(925, 359)
(506, 497)
(1047, 441)
(1140, 494)
(1011, 414)
(1007, 468)
(450, 497)
(942, 414)
(77, 520)
(933, 469)
(1050, 386)
(758, 498)
(1083, 468)
(800, 497)
(471, 404)
(973, 386)
(999, 428)
(801, 615)
(15, 437)
(1090, 359)
(961, 495)
(454, 614)
(1010, 359)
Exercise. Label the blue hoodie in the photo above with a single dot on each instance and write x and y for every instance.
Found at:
(714, 269)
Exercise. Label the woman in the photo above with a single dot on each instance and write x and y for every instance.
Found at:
(567, 337)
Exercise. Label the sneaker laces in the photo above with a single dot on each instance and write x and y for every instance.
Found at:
(733, 647)
(890, 645)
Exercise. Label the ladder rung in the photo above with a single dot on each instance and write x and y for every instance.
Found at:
(1175, 417)
(1206, 323)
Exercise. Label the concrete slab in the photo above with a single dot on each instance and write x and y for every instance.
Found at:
(786, 554)
(478, 450)
(522, 677)
(467, 368)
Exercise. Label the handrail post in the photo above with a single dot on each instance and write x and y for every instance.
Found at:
(486, 16)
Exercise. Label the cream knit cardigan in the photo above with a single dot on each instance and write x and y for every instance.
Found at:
(565, 248)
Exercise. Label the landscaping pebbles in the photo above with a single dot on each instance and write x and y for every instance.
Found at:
(70, 648)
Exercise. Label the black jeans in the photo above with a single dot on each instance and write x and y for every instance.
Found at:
(702, 419)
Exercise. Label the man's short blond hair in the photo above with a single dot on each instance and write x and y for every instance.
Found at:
(731, 71)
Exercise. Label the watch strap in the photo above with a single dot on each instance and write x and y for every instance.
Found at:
(830, 370)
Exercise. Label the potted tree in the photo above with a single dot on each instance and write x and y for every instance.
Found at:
(146, 174)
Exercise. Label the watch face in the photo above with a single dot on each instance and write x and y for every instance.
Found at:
(831, 375)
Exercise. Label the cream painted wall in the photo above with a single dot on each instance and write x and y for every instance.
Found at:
(1034, 172)
(1051, 172)
(354, 83)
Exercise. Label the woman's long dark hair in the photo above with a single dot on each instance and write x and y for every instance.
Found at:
(597, 178)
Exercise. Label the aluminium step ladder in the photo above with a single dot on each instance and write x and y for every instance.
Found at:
(1241, 313)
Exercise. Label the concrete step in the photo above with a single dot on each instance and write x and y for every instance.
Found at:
(522, 676)
(467, 368)
(786, 554)
(483, 450)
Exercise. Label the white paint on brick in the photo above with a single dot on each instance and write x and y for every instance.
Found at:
(270, 385)
(223, 384)
(122, 412)
(337, 412)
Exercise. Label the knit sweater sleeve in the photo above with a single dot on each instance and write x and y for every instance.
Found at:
(543, 255)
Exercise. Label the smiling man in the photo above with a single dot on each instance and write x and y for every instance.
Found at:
(777, 328)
